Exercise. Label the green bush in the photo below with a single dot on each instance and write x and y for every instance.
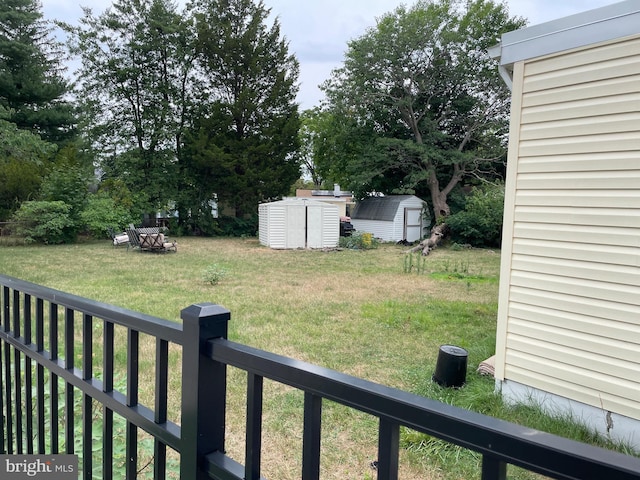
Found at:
(102, 213)
(480, 223)
(238, 227)
(69, 184)
(45, 222)
(359, 241)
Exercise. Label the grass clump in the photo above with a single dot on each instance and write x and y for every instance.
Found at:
(213, 274)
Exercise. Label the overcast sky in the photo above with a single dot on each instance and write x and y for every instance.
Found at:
(318, 30)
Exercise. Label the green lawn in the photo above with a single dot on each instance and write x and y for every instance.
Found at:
(357, 312)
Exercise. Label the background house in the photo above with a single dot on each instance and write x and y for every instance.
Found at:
(568, 334)
(391, 218)
(299, 223)
(343, 199)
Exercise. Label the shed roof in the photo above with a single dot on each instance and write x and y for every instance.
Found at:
(379, 208)
(298, 201)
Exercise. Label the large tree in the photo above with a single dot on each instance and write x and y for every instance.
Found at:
(421, 104)
(134, 84)
(23, 161)
(32, 84)
(244, 142)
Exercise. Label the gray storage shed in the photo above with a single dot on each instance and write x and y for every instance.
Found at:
(391, 218)
(299, 223)
(568, 332)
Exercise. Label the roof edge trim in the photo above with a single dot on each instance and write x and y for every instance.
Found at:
(594, 26)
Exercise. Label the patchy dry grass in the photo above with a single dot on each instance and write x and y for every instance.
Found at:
(357, 312)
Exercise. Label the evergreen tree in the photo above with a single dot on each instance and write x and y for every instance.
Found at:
(32, 87)
(243, 146)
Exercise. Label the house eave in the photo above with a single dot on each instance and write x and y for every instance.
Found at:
(594, 26)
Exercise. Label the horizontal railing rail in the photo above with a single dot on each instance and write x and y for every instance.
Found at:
(499, 442)
(158, 327)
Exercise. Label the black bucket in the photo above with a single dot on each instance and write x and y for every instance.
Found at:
(451, 367)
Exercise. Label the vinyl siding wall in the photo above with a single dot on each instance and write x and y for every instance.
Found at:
(569, 313)
(378, 228)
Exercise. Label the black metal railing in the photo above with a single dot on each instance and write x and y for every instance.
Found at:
(38, 352)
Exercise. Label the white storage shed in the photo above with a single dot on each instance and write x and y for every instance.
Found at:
(391, 218)
(299, 223)
(568, 332)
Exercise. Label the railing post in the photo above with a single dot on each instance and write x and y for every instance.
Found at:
(204, 384)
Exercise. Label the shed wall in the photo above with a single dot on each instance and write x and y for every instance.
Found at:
(293, 224)
(390, 231)
(378, 228)
(569, 313)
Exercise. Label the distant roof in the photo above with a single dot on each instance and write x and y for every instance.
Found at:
(379, 208)
(601, 24)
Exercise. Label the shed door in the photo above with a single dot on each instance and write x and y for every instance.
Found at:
(314, 227)
(412, 224)
(296, 226)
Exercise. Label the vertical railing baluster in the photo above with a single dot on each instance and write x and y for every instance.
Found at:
(69, 346)
(7, 376)
(133, 373)
(4, 320)
(159, 460)
(131, 465)
(493, 469)
(17, 375)
(16, 313)
(2, 403)
(17, 390)
(28, 374)
(311, 436)
(162, 380)
(69, 362)
(107, 386)
(28, 377)
(388, 450)
(26, 312)
(253, 446)
(161, 406)
(6, 291)
(53, 387)
(40, 397)
(87, 402)
(204, 387)
(133, 367)
(107, 443)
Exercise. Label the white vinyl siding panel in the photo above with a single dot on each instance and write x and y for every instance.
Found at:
(377, 228)
(571, 318)
(297, 223)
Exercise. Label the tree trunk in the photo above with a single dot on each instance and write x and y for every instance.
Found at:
(438, 197)
(428, 244)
